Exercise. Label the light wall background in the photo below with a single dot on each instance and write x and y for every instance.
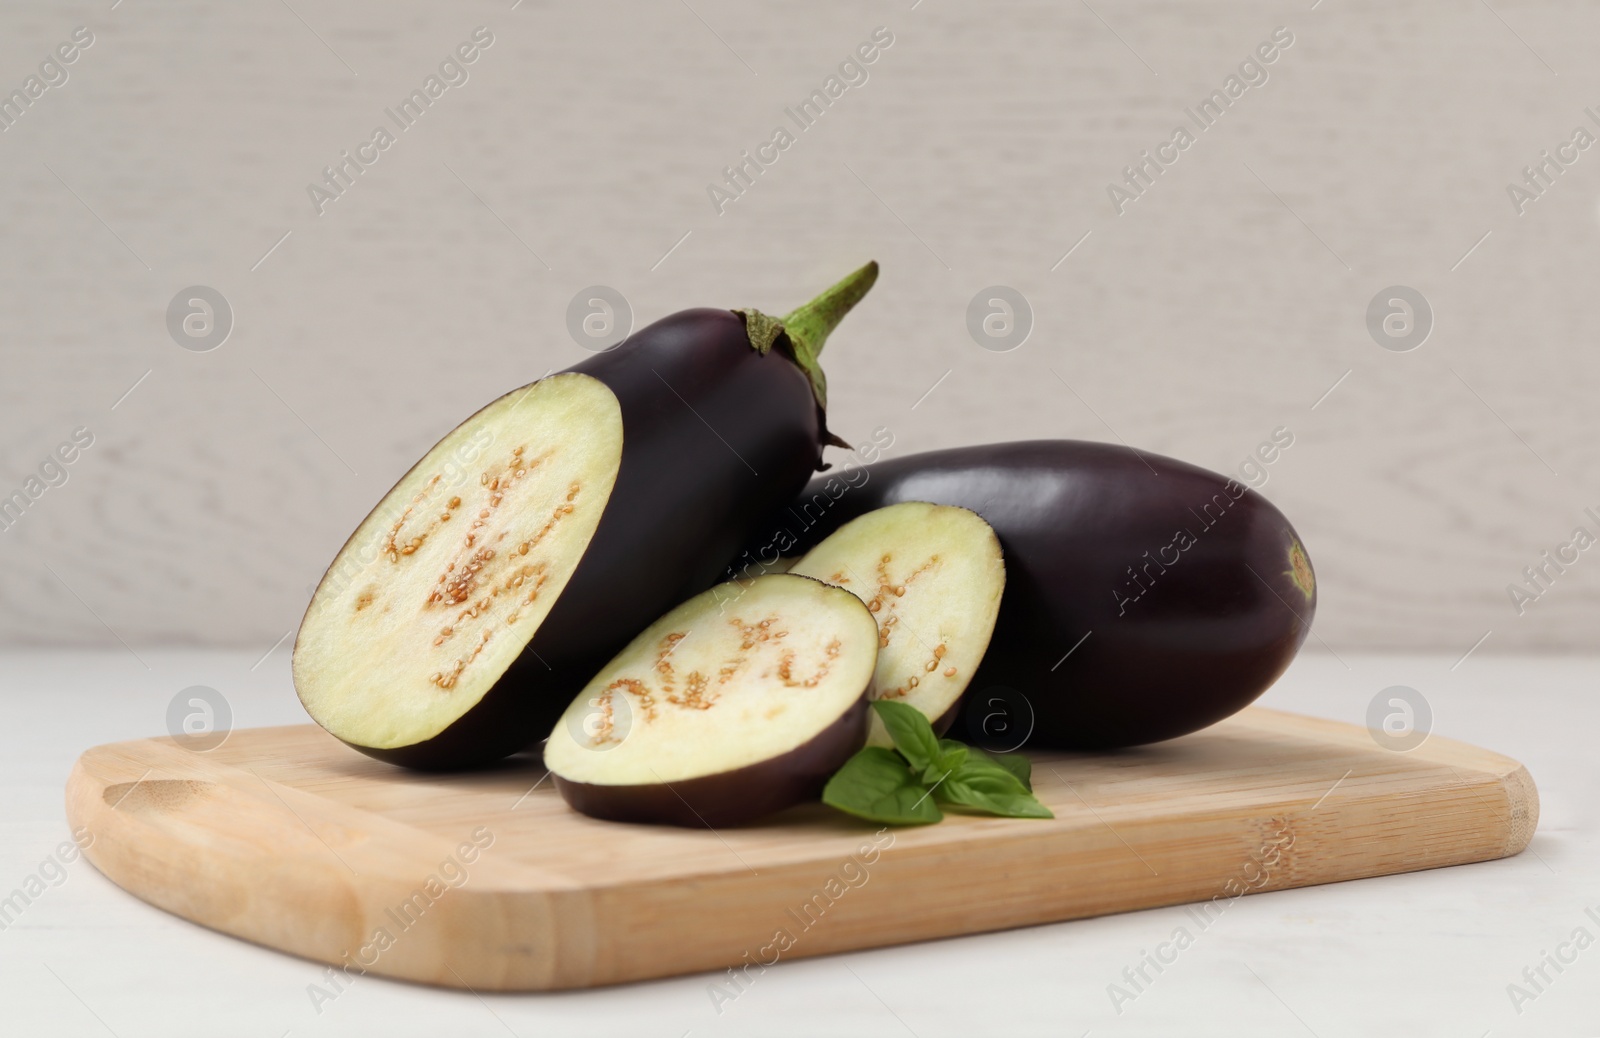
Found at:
(1221, 305)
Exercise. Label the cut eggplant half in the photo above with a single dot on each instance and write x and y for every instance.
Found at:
(740, 702)
(932, 577)
(441, 588)
(533, 542)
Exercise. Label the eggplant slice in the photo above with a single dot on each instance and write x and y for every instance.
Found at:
(932, 577)
(439, 590)
(740, 702)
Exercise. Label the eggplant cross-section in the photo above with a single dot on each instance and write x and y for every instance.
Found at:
(742, 701)
(932, 577)
(440, 589)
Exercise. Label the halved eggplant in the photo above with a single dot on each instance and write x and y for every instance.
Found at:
(1145, 597)
(532, 542)
(932, 577)
(740, 702)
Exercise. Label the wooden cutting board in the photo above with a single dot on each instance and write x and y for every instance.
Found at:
(285, 837)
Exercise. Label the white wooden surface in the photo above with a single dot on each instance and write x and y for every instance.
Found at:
(1425, 954)
(1221, 305)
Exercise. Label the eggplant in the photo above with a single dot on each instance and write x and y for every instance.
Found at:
(1145, 597)
(533, 541)
(740, 702)
(932, 577)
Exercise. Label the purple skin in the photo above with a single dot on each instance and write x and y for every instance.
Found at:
(1110, 634)
(731, 797)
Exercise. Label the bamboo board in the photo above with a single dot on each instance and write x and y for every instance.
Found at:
(285, 837)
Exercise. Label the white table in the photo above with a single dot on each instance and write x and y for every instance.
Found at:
(1428, 953)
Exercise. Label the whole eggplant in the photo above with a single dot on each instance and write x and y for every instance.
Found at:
(722, 419)
(1145, 597)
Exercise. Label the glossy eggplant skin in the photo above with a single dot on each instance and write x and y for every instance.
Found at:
(716, 436)
(1145, 598)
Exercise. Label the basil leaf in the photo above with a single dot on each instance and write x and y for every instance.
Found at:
(987, 785)
(1017, 764)
(877, 785)
(1006, 805)
(906, 787)
(912, 734)
(990, 773)
(953, 754)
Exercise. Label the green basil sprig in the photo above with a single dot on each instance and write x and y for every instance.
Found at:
(907, 785)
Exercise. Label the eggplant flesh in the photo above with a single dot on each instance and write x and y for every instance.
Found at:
(462, 569)
(932, 577)
(435, 641)
(740, 702)
(1145, 597)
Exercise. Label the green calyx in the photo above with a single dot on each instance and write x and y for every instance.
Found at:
(763, 329)
(806, 329)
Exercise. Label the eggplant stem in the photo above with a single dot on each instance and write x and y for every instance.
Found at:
(810, 325)
(807, 327)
